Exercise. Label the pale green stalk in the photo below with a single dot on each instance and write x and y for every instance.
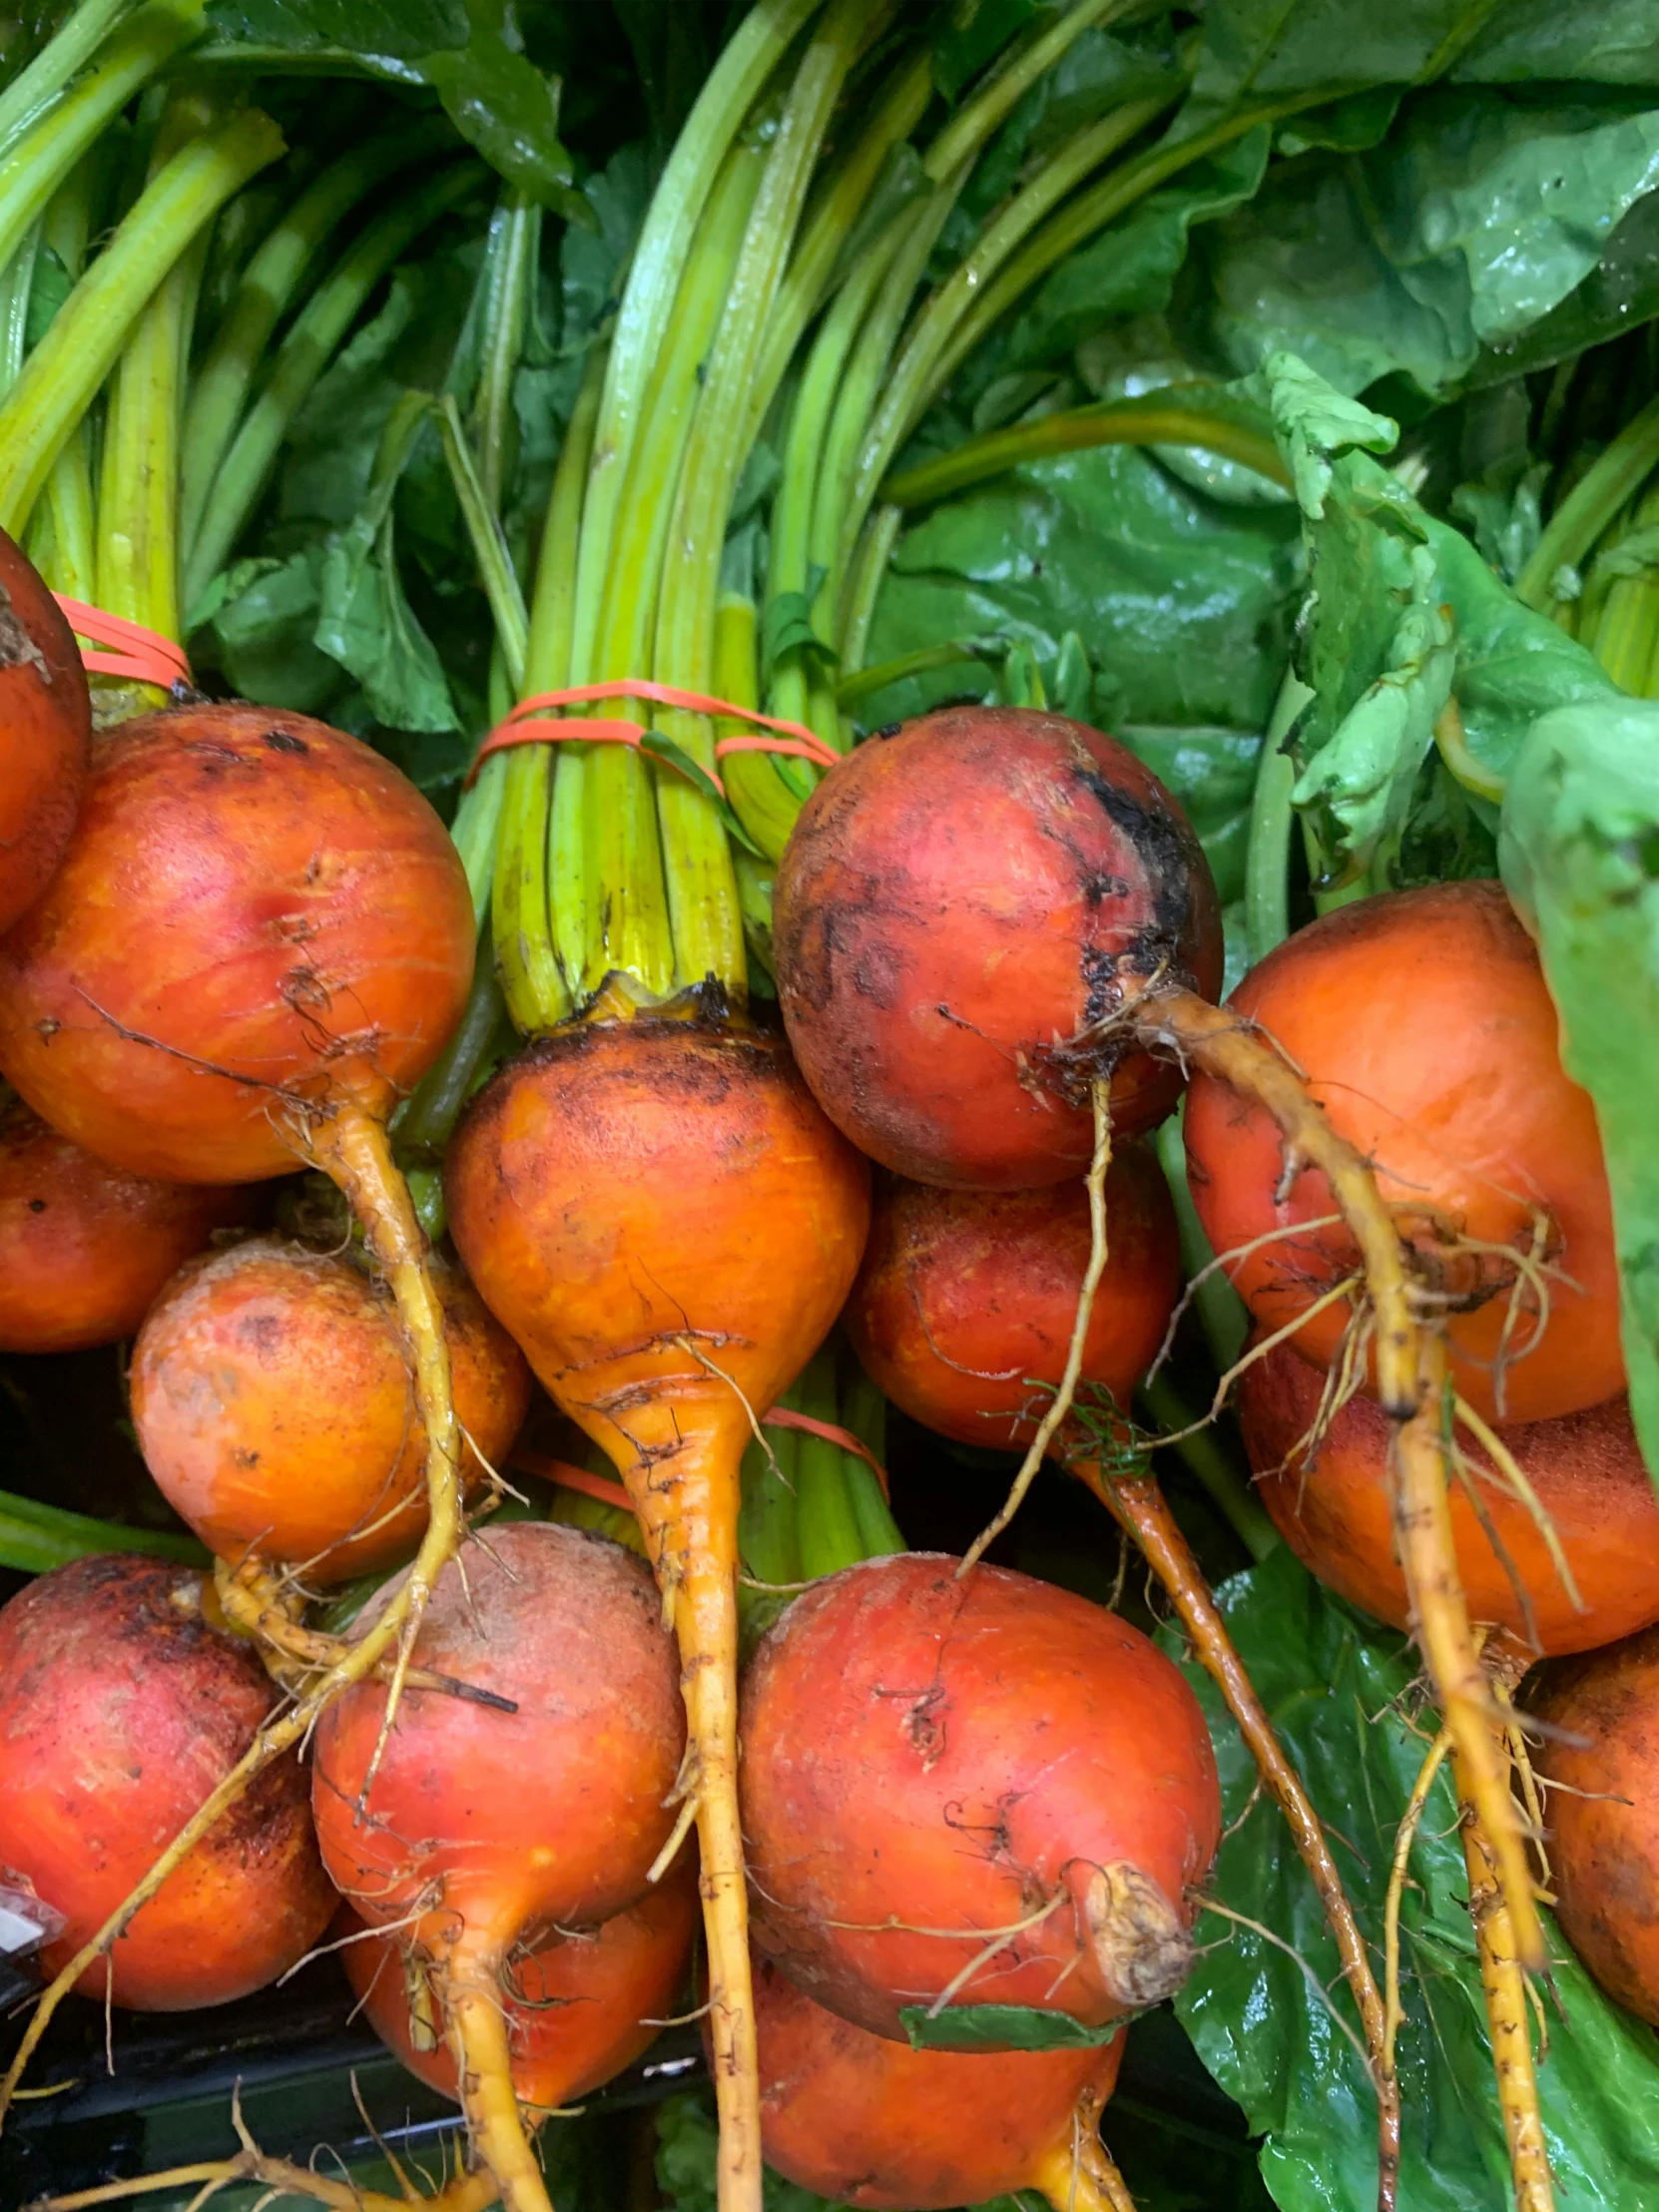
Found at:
(36, 89)
(63, 536)
(702, 898)
(36, 163)
(301, 359)
(267, 284)
(751, 55)
(489, 547)
(514, 249)
(82, 347)
(17, 284)
(1267, 867)
(627, 924)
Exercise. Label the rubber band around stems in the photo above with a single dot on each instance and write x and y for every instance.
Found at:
(138, 655)
(532, 722)
(611, 1492)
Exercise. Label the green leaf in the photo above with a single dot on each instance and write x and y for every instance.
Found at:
(1185, 604)
(1131, 268)
(366, 623)
(262, 614)
(502, 103)
(657, 747)
(377, 30)
(49, 287)
(786, 627)
(1579, 849)
(1615, 43)
(1268, 46)
(1337, 1688)
(976, 31)
(1477, 217)
(1001, 2027)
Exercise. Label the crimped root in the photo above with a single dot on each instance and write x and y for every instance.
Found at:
(354, 1150)
(1080, 2174)
(1411, 1379)
(478, 2026)
(687, 1505)
(473, 2191)
(1507, 2018)
(1139, 1504)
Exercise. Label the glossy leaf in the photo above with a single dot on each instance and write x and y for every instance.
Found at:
(1339, 1690)
(1001, 2027)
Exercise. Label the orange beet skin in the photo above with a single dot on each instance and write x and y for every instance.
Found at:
(274, 1407)
(958, 912)
(502, 1823)
(868, 2122)
(120, 1711)
(967, 1299)
(1426, 1029)
(44, 732)
(958, 1754)
(257, 918)
(1332, 1506)
(84, 1246)
(579, 2009)
(1603, 1845)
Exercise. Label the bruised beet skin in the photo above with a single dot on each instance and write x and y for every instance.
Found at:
(120, 1710)
(257, 919)
(275, 1410)
(84, 1246)
(1333, 1505)
(578, 2010)
(954, 916)
(1603, 1748)
(958, 1754)
(44, 732)
(868, 2122)
(967, 1300)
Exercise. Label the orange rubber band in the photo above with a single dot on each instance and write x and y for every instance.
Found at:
(568, 1477)
(531, 723)
(141, 656)
(610, 1493)
(785, 1417)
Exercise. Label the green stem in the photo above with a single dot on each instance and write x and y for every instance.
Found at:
(81, 348)
(1220, 1311)
(529, 932)
(36, 163)
(864, 584)
(425, 1125)
(1268, 859)
(268, 286)
(702, 889)
(913, 373)
(17, 284)
(1157, 419)
(510, 264)
(628, 925)
(37, 88)
(489, 547)
(301, 359)
(1214, 1467)
(62, 537)
(956, 653)
(749, 58)
(1591, 506)
(35, 1539)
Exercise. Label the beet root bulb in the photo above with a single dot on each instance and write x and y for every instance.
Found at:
(120, 1709)
(44, 732)
(958, 916)
(980, 1788)
(275, 1410)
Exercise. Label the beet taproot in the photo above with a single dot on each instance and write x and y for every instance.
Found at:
(956, 915)
(579, 2009)
(120, 1708)
(667, 1223)
(275, 1410)
(977, 1784)
(479, 1831)
(1331, 1499)
(1424, 1025)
